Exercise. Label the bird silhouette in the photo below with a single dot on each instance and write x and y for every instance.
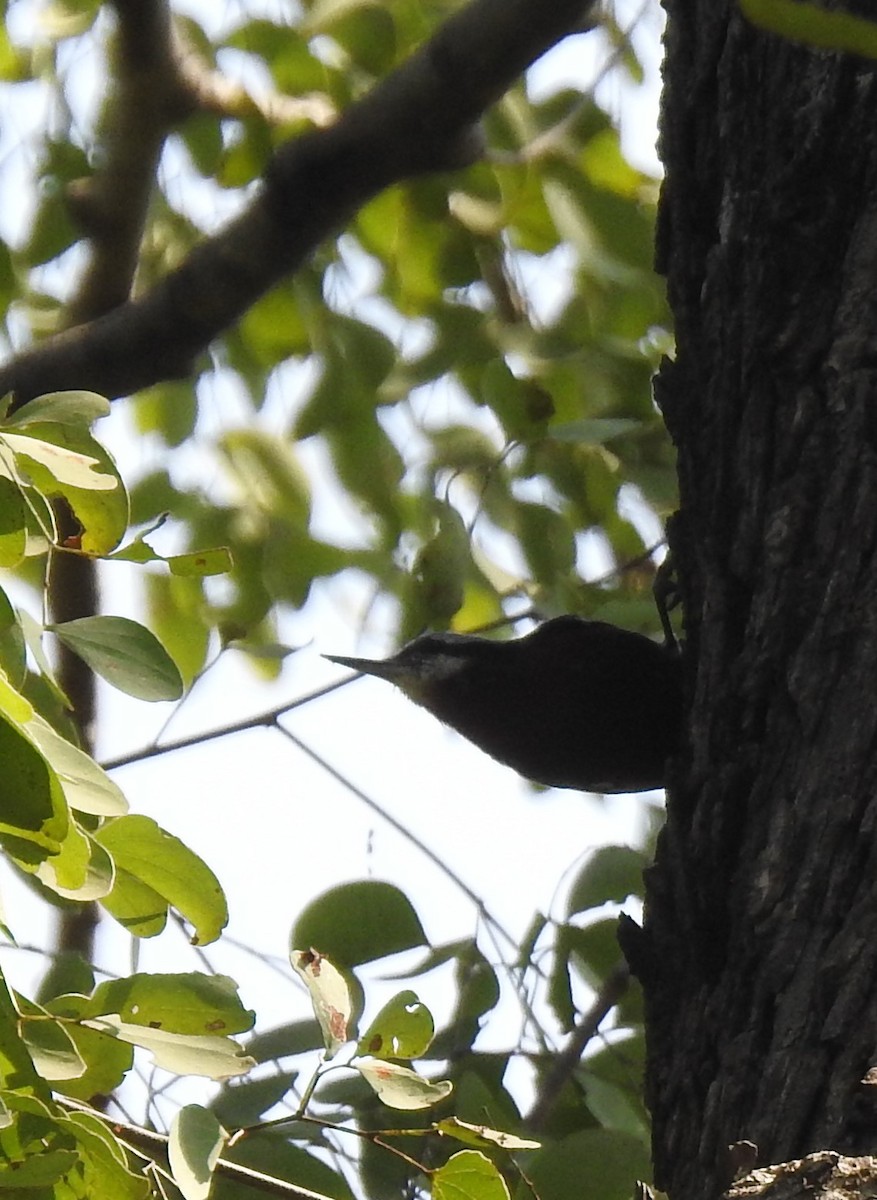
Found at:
(574, 704)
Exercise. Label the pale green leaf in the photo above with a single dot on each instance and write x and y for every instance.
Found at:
(16, 1067)
(183, 1054)
(593, 431)
(329, 994)
(51, 1049)
(33, 637)
(58, 461)
(196, 1141)
(86, 785)
(65, 466)
(483, 1135)
(400, 1087)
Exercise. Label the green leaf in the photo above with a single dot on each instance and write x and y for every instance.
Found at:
(82, 870)
(402, 1029)
(33, 812)
(439, 571)
(470, 1175)
(164, 864)
(293, 1037)
(813, 25)
(15, 706)
(593, 431)
(271, 1153)
(178, 613)
(16, 1066)
(269, 472)
(548, 541)
(60, 408)
(196, 1141)
(358, 922)
(60, 460)
(170, 408)
(13, 534)
(104, 1163)
(330, 997)
(13, 652)
(611, 873)
(244, 1103)
(138, 908)
(592, 1162)
(48, 1043)
(272, 328)
(107, 1060)
(33, 637)
(195, 563)
(199, 563)
(40, 1170)
(188, 1003)
(124, 653)
(400, 1087)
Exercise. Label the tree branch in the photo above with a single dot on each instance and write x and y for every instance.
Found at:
(157, 1144)
(567, 1061)
(420, 118)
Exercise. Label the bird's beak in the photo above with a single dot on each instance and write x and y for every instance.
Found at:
(383, 668)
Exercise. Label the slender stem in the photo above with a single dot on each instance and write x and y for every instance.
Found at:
(375, 1136)
(260, 720)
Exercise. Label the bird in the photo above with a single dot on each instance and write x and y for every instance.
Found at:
(575, 703)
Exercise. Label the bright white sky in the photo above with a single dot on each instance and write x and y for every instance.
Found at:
(278, 831)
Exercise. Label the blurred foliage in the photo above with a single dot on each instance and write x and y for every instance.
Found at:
(473, 354)
(468, 365)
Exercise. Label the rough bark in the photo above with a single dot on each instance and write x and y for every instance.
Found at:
(759, 958)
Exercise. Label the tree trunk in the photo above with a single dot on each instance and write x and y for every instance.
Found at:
(759, 955)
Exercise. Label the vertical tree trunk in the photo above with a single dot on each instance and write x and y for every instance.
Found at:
(760, 946)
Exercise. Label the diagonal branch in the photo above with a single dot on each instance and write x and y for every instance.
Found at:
(420, 118)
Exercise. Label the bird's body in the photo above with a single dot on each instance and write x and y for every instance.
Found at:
(574, 704)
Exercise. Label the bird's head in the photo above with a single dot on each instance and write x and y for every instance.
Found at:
(423, 666)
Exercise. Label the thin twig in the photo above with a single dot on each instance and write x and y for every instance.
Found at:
(266, 719)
